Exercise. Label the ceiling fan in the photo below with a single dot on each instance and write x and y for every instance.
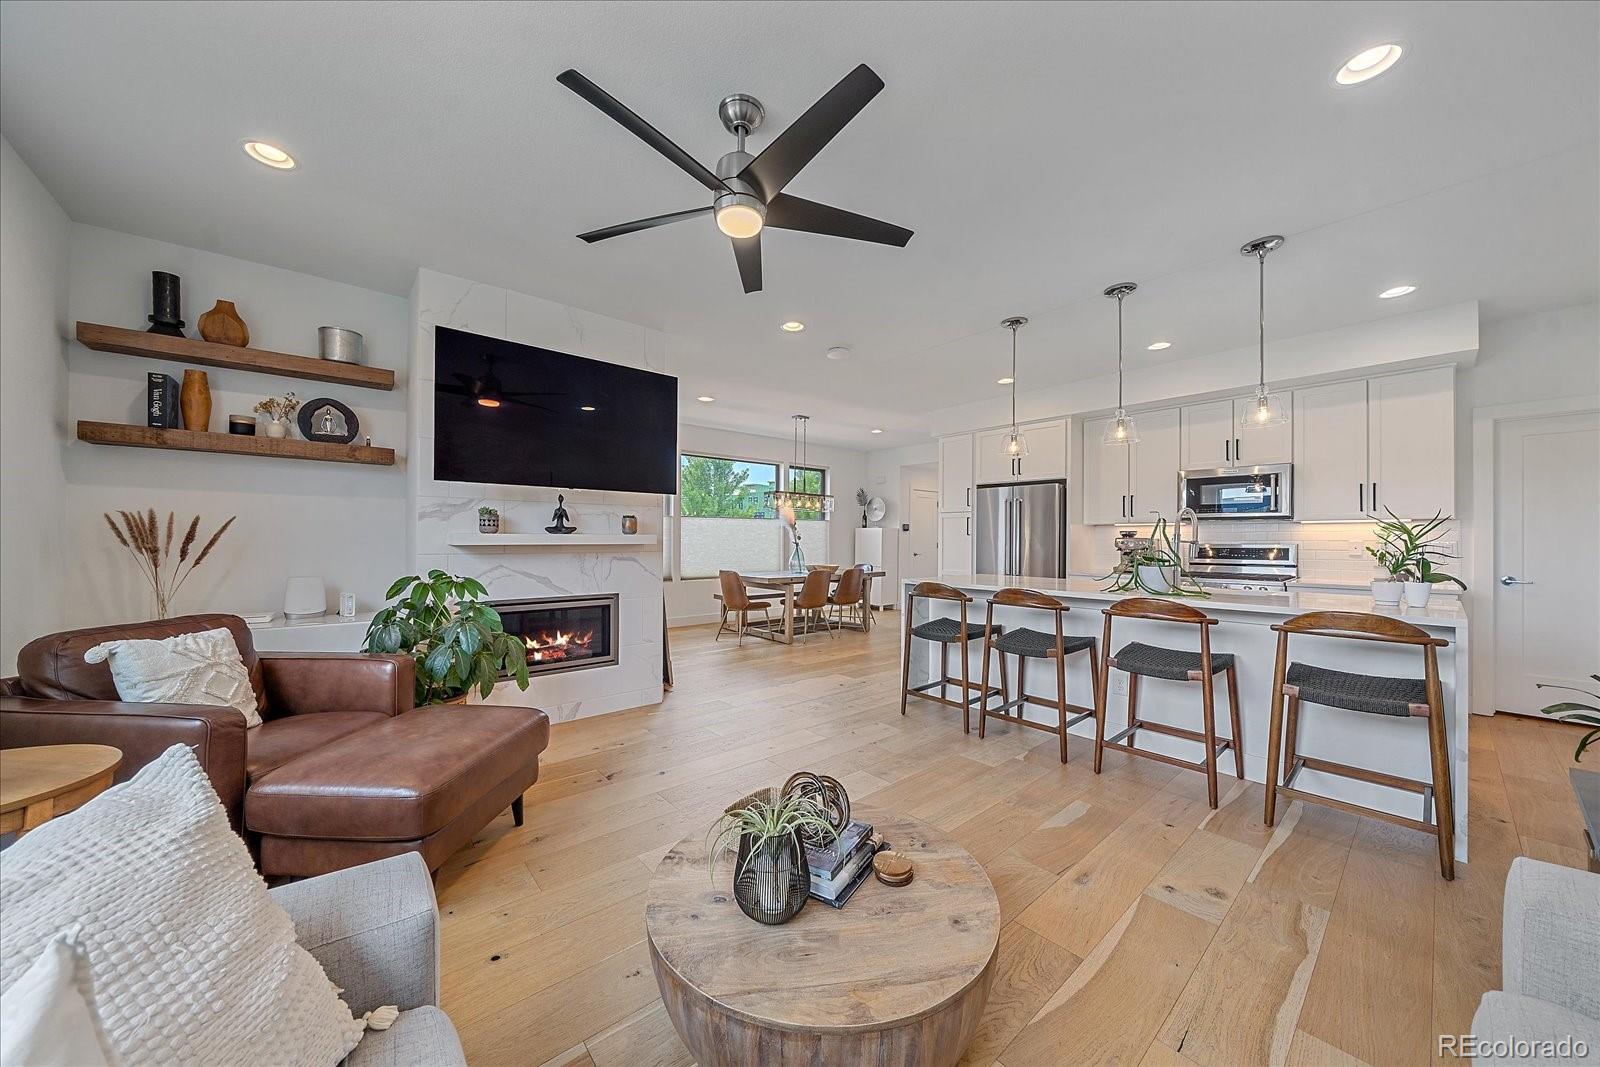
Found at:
(748, 190)
(487, 392)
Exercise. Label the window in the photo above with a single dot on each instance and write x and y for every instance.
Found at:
(724, 522)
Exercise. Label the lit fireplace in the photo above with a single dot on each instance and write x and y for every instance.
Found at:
(564, 633)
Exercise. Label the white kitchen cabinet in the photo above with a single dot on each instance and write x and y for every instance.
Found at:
(1218, 434)
(1124, 483)
(1207, 435)
(1256, 445)
(1411, 441)
(1368, 447)
(955, 473)
(994, 466)
(955, 544)
(1330, 437)
(1153, 466)
(1105, 477)
(1047, 458)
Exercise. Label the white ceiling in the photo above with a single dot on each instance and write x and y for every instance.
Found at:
(1040, 152)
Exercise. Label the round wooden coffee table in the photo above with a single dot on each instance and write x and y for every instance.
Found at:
(43, 781)
(897, 976)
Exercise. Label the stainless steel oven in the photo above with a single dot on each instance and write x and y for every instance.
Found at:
(1264, 492)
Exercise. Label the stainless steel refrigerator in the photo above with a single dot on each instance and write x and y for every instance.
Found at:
(1022, 529)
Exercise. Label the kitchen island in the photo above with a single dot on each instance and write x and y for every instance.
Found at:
(1392, 745)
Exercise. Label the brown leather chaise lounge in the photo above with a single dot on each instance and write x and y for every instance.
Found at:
(342, 770)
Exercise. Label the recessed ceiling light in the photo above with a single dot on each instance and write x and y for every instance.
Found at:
(587, 407)
(838, 353)
(269, 154)
(1366, 65)
(1399, 290)
(792, 326)
(1159, 345)
(874, 431)
(1004, 381)
(706, 399)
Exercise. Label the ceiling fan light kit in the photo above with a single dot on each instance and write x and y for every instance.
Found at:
(1267, 409)
(747, 190)
(1121, 430)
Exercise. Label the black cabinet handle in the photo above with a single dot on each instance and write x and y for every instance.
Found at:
(1131, 509)
(1374, 497)
(1361, 497)
(1227, 447)
(969, 525)
(1237, 452)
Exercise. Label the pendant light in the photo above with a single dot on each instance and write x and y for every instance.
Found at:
(1016, 446)
(1121, 430)
(1267, 408)
(792, 499)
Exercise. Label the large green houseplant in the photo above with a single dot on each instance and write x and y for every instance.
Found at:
(457, 640)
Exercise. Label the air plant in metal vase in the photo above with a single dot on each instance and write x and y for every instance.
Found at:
(1578, 714)
(1156, 569)
(1406, 552)
(771, 878)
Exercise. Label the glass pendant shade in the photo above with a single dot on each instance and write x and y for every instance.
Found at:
(1265, 410)
(1016, 444)
(1121, 430)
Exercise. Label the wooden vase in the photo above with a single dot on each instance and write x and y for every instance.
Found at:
(195, 400)
(223, 326)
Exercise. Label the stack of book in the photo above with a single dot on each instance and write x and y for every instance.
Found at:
(840, 866)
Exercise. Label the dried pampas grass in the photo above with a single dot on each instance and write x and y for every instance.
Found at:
(151, 547)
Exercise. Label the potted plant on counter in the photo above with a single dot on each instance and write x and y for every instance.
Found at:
(1406, 553)
(770, 876)
(458, 641)
(1157, 568)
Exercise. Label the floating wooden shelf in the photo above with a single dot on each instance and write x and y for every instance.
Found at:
(544, 540)
(187, 350)
(114, 433)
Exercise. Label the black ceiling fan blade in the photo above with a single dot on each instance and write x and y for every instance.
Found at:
(642, 224)
(794, 213)
(747, 251)
(640, 128)
(807, 135)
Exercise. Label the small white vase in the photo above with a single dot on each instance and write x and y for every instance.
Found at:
(1160, 579)
(1387, 594)
(1417, 594)
(278, 428)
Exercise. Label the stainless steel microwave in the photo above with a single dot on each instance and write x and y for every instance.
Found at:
(1264, 492)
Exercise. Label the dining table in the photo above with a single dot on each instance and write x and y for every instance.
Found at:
(789, 583)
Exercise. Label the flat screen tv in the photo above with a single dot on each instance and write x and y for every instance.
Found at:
(520, 415)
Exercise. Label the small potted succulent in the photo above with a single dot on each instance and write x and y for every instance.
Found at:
(488, 520)
(1406, 553)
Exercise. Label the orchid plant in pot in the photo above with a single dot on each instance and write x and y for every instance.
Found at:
(1405, 553)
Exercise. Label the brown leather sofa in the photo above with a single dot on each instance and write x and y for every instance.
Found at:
(343, 769)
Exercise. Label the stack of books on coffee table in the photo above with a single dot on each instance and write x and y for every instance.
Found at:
(840, 866)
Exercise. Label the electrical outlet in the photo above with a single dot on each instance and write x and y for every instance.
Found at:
(1119, 684)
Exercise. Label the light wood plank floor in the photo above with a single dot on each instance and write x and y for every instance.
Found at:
(1139, 927)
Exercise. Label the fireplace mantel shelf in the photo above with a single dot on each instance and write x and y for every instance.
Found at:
(545, 540)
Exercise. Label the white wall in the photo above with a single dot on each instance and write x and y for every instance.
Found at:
(888, 476)
(692, 601)
(345, 522)
(34, 233)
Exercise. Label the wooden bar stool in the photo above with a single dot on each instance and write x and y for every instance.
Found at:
(1177, 665)
(1028, 644)
(946, 632)
(1421, 698)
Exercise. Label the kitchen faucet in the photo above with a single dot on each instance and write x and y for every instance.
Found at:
(1192, 517)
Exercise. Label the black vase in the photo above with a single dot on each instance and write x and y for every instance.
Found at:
(166, 314)
(771, 881)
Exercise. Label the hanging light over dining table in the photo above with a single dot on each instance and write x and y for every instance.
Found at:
(777, 499)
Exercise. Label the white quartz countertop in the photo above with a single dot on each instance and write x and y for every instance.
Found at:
(1446, 613)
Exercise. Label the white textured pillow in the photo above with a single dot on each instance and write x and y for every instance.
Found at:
(197, 668)
(191, 960)
(47, 1017)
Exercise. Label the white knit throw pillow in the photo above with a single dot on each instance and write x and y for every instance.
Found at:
(191, 960)
(194, 668)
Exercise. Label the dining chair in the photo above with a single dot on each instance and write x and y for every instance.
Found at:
(736, 599)
(850, 594)
(811, 602)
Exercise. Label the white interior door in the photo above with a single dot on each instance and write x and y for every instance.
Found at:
(1546, 512)
(922, 540)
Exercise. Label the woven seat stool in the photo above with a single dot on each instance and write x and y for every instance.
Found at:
(1139, 660)
(1028, 644)
(957, 633)
(1422, 698)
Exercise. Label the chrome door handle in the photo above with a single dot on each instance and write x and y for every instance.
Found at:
(1510, 580)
